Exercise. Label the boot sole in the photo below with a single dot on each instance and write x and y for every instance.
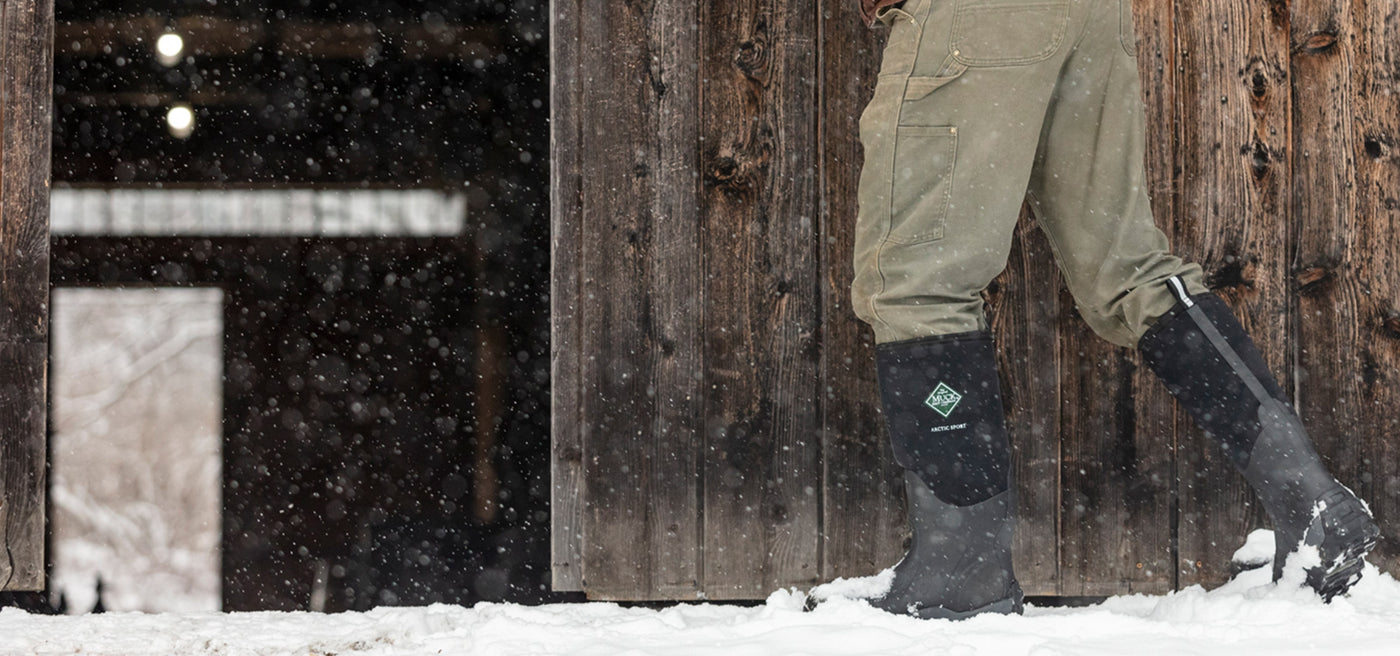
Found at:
(1013, 605)
(1351, 526)
(1009, 606)
(1003, 607)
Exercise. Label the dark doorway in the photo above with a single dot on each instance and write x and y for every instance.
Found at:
(385, 424)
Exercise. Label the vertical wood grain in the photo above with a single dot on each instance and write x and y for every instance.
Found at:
(26, 63)
(762, 356)
(862, 511)
(1024, 304)
(1234, 125)
(1345, 264)
(1150, 563)
(1097, 460)
(26, 92)
(566, 351)
(641, 321)
(676, 322)
(22, 453)
(1375, 463)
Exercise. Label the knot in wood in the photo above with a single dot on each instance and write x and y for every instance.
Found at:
(1319, 42)
(752, 57)
(1260, 77)
(656, 78)
(1377, 146)
(1390, 324)
(1279, 13)
(1236, 272)
(1260, 158)
(1259, 85)
(725, 168)
(727, 174)
(1312, 278)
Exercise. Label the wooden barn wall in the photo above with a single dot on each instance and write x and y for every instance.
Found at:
(1343, 259)
(26, 82)
(716, 431)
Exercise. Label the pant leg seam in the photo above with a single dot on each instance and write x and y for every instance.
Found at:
(889, 214)
(1084, 30)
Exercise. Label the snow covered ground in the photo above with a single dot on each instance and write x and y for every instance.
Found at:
(1247, 616)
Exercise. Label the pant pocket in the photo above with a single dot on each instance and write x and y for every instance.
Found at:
(922, 184)
(1008, 32)
(1126, 33)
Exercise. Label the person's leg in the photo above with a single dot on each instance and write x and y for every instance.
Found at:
(949, 140)
(1088, 191)
(1089, 188)
(949, 143)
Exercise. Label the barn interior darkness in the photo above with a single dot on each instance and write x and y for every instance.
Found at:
(385, 397)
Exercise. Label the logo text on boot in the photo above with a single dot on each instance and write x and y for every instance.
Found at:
(943, 400)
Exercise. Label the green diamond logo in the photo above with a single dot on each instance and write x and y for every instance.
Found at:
(943, 400)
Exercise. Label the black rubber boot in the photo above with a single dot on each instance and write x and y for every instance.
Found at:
(959, 559)
(942, 404)
(1211, 366)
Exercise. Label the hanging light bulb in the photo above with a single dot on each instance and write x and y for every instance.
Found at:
(169, 47)
(180, 120)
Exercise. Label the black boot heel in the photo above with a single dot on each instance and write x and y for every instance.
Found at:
(1348, 533)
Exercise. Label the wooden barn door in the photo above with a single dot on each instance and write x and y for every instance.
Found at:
(26, 97)
(700, 231)
(715, 427)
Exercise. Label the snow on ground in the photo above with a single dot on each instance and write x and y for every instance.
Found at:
(1247, 616)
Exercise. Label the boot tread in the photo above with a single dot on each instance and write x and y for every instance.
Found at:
(1349, 534)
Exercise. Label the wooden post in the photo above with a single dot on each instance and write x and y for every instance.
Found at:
(26, 92)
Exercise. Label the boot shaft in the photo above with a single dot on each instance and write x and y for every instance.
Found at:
(1210, 365)
(943, 410)
(1207, 361)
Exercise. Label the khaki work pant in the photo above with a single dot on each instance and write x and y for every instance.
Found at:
(979, 105)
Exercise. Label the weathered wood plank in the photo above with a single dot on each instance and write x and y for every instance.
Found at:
(674, 321)
(1345, 264)
(763, 414)
(26, 56)
(26, 92)
(1150, 543)
(641, 323)
(1096, 459)
(1025, 306)
(566, 352)
(862, 511)
(1233, 122)
(1150, 547)
(1376, 354)
(22, 453)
